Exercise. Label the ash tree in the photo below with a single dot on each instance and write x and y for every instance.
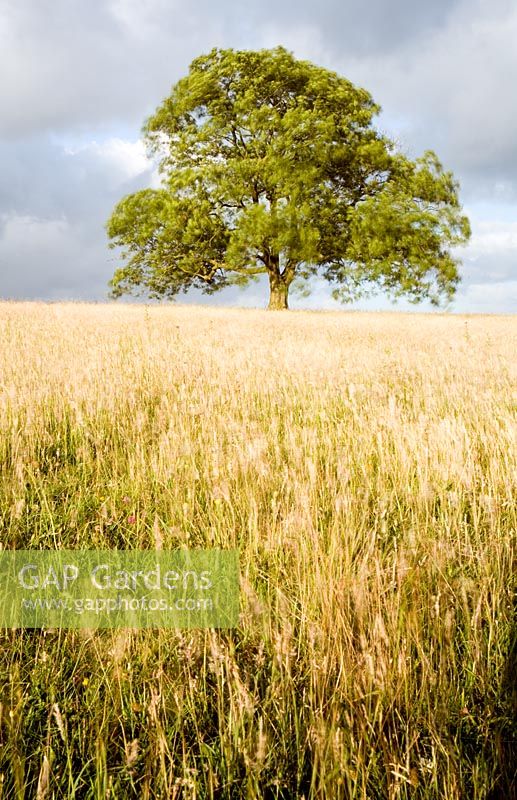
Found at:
(272, 166)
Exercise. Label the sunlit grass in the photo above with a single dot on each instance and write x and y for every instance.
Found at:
(364, 464)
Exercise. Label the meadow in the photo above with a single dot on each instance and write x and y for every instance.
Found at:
(365, 466)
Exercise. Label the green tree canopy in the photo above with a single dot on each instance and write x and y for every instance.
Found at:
(271, 165)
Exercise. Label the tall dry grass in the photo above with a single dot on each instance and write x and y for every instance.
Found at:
(364, 465)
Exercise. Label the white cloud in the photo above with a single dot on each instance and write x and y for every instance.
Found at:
(122, 159)
(489, 298)
(491, 253)
(21, 233)
(492, 238)
(141, 20)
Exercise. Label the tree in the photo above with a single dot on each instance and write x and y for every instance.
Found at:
(271, 165)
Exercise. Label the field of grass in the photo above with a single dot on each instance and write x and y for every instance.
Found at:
(365, 467)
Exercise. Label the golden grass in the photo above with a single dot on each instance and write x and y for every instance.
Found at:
(364, 464)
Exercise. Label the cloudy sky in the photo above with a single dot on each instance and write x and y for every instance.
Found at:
(79, 77)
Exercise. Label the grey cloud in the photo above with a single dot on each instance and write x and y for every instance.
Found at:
(49, 259)
(447, 67)
(455, 90)
(361, 28)
(54, 205)
(44, 179)
(73, 72)
(445, 82)
(66, 62)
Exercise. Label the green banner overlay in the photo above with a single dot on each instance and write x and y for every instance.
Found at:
(119, 588)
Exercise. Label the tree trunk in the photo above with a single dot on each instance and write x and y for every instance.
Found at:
(278, 291)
